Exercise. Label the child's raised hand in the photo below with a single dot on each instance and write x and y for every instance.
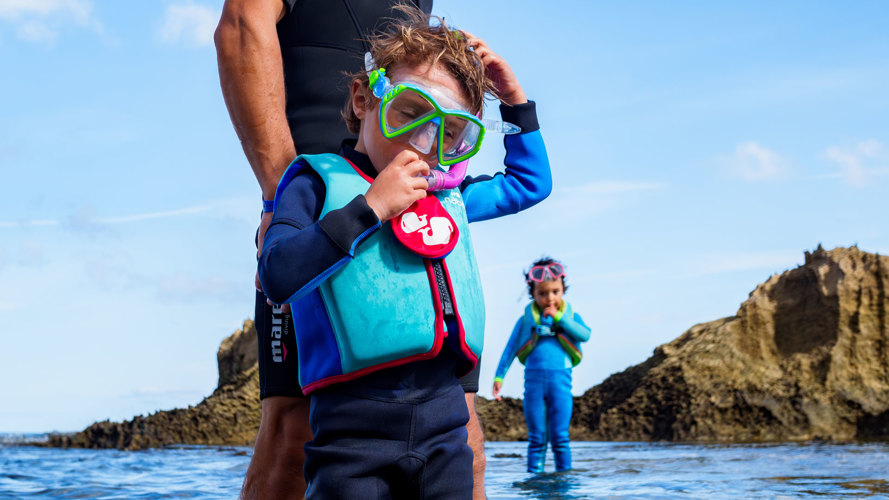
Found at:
(398, 185)
(498, 71)
(551, 311)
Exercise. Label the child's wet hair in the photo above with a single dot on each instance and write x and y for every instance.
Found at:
(543, 261)
(411, 40)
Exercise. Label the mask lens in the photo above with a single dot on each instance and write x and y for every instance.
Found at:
(536, 274)
(460, 136)
(555, 270)
(404, 110)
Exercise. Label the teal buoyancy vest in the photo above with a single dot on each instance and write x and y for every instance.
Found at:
(383, 308)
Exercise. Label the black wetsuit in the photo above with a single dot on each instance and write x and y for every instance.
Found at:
(321, 41)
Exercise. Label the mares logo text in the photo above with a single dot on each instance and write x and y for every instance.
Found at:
(279, 352)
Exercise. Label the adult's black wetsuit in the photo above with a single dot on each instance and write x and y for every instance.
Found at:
(321, 41)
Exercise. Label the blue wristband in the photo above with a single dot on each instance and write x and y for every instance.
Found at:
(268, 206)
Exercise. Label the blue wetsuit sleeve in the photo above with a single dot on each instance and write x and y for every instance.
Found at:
(527, 179)
(510, 351)
(575, 328)
(300, 251)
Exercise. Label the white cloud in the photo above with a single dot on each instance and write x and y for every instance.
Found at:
(41, 20)
(189, 23)
(37, 31)
(15, 9)
(182, 287)
(588, 200)
(774, 261)
(860, 162)
(32, 253)
(754, 162)
(611, 187)
(84, 220)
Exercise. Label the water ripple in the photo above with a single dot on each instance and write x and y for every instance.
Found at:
(604, 470)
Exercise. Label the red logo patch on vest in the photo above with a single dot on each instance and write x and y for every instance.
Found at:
(426, 229)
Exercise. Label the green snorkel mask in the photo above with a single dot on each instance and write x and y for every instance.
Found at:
(431, 118)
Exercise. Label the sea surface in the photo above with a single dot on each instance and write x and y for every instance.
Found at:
(602, 470)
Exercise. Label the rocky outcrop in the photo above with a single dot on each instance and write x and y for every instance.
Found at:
(502, 420)
(806, 357)
(229, 416)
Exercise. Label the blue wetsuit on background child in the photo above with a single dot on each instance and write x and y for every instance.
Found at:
(546, 340)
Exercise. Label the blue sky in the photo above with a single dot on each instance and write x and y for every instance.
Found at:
(696, 150)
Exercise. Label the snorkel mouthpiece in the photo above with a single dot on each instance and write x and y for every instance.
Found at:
(439, 180)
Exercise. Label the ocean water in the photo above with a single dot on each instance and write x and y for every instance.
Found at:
(602, 470)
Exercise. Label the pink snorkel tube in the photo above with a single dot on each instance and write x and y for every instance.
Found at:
(439, 180)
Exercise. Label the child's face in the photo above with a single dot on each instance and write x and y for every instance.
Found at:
(370, 138)
(548, 293)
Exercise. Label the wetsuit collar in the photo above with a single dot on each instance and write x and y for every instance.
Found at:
(360, 160)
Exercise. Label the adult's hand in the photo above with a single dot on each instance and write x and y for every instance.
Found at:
(260, 238)
(496, 390)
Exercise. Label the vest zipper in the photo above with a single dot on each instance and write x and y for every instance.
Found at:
(444, 294)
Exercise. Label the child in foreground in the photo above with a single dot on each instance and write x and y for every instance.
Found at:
(546, 340)
(380, 272)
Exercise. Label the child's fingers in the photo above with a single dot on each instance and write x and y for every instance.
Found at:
(474, 41)
(418, 167)
(417, 195)
(420, 183)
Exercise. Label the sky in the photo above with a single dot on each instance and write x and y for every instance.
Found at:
(696, 150)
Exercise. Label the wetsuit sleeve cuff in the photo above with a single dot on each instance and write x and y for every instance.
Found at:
(351, 224)
(498, 379)
(524, 115)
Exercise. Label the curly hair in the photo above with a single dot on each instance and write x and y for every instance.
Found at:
(414, 40)
(542, 262)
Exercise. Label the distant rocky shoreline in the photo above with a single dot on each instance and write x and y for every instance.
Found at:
(806, 357)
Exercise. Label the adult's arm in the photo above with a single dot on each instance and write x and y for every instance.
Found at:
(252, 78)
(527, 179)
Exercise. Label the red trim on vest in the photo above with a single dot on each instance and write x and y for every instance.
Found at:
(362, 174)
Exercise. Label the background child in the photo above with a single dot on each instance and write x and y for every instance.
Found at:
(381, 276)
(546, 340)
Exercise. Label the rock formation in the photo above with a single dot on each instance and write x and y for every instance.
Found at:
(806, 357)
(229, 416)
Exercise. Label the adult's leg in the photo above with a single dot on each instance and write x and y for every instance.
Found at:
(276, 469)
(476, 441)
(559, 406)
(535, 418)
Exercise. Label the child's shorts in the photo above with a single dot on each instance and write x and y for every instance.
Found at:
(368, 446)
